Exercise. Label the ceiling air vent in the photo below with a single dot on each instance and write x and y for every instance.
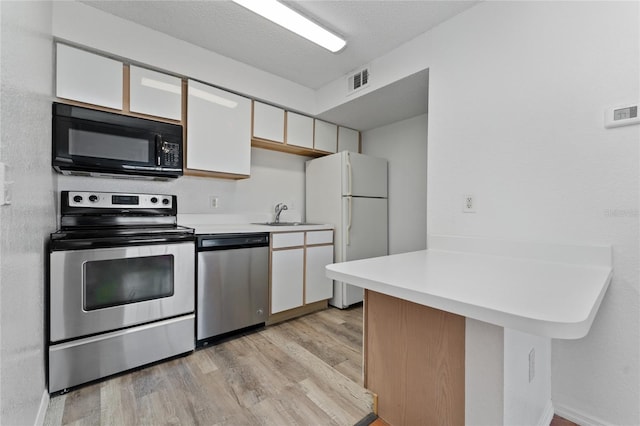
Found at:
(358, 80)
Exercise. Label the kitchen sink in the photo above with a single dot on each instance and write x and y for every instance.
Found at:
(285, 223)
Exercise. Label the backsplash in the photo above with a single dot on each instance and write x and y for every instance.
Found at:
(275, 177)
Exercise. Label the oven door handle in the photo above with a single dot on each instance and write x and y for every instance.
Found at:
(89, 244)
(159, 150)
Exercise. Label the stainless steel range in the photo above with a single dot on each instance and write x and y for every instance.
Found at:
(121, 285)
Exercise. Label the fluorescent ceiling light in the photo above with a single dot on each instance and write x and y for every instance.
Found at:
(293, 21)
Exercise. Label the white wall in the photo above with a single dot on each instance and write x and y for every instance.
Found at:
(516, 107)
(517, 92)
(404, 145)
(25, 97)
(275, 177)
(517, 96)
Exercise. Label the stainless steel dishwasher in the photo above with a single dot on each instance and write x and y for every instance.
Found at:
(232, 283)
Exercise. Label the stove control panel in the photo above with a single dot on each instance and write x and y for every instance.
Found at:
(106, 200)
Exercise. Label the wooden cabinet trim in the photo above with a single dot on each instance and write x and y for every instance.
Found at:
(287, 248)
(283, 147)
(220, 175)
(427, 386)
(118, 111)
(126, 88)
(319, 245)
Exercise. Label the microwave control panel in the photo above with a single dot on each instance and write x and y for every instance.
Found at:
(171, 154)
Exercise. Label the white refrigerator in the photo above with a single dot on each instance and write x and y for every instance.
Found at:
(349, 191)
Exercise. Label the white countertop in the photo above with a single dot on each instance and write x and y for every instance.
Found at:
(513, 285)
(243, 228)
(242, 223)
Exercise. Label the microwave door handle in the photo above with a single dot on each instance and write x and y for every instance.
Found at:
(158, 150)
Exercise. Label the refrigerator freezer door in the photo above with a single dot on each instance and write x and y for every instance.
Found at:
(363, 176)
(364, 235)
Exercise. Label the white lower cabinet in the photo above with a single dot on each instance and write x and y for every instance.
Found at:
(298, 261)
(287, 277)
(317, 285)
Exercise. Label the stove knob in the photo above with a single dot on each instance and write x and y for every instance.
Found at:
(93, 198)
(154, 200)
(77, 198)
(165, 201)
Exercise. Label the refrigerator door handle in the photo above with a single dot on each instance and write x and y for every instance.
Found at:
(348, 236)
(349, 175)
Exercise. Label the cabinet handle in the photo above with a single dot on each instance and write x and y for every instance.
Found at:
(158, 150)
(349, 175)
(349, 223)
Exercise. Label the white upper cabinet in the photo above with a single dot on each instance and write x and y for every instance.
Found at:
(299, 130)
(218, 130)
(86, 77)
(348, 139)
(268, 122)
(326, 136)
(155, 93)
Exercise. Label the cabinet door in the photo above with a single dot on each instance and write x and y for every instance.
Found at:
(155, 93)
(86, 77)
(318, 286)
(218, 130)
(287, 279)
(299, 130)
(325, 136)
(268, 122)
(348, 140)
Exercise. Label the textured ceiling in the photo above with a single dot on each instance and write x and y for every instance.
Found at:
(371, 28)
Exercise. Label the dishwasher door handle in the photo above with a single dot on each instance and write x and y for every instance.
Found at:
(232, 241)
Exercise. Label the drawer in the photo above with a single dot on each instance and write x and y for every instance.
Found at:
(287, 239)
(319, 237)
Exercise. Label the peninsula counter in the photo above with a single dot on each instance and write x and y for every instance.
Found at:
(443, 325)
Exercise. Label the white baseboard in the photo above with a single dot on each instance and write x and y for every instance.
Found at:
(576, 416)
(42, 411)
(547, 416)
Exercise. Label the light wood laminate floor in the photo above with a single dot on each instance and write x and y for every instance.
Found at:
(305, 371)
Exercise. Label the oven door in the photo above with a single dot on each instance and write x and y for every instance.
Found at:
(98, 290)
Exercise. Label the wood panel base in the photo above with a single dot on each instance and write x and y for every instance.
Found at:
(414, 361)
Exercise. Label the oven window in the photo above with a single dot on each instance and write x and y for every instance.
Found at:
(121, 281)
(108, 146)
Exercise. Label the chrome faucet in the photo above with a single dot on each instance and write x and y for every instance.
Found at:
(279, 208)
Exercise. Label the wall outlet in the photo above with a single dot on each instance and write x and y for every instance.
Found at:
(532, 364)
(469, 204)
(5, 185)
(214, 201)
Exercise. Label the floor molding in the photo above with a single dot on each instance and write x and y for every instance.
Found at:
(547, 416)
(577, 416)
(42, 410)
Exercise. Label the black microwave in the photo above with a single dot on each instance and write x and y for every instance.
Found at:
(90, 142)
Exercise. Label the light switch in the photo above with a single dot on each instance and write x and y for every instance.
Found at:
(5, 185)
